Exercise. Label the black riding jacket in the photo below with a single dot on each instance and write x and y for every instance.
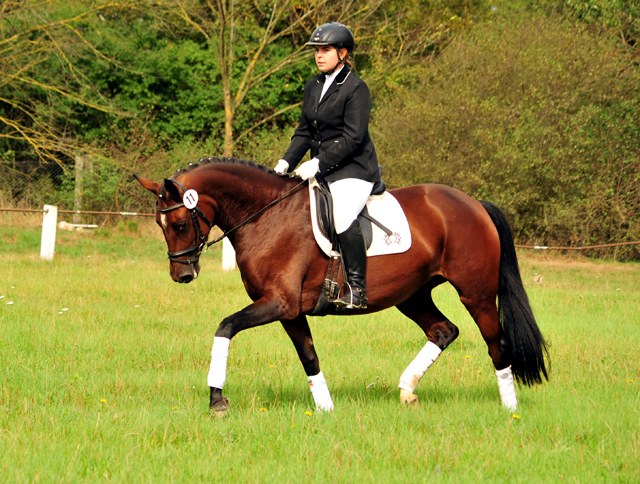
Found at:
(337, 129)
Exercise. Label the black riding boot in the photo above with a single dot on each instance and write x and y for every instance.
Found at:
(354, 258)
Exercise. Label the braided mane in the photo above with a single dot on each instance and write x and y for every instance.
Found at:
(231, 161)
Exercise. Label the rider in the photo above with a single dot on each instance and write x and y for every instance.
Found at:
(334, 125)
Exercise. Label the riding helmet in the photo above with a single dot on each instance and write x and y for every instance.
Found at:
(335, 34)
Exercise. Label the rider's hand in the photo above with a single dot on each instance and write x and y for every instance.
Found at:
(281, 167)
(308, 169)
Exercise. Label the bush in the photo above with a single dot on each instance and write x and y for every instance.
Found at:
(541, 116)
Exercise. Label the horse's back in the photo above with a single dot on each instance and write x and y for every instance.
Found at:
(452, 227)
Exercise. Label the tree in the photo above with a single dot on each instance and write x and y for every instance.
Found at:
(40, 84)
(253, 41)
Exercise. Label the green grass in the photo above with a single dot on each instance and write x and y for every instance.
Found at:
(114, 388)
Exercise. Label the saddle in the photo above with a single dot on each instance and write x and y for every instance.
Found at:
(324, 210)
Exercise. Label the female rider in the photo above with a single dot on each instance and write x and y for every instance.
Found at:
(334, 125)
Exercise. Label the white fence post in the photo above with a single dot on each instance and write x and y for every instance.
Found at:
(228, 255)
(49, 223)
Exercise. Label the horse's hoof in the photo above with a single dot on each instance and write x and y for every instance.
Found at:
(220, 408)
(408, 399)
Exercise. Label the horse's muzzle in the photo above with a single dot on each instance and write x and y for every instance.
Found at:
(184, 274)
(186, 279)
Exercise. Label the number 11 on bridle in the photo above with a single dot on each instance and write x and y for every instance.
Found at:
(266, 217)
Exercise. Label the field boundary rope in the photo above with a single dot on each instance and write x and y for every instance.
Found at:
(34, 210)
(136, 214)
(584, 247)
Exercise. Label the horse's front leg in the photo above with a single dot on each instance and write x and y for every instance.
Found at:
(263, 311)
(300, 334)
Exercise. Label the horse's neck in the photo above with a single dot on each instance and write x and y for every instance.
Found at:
(240, 194)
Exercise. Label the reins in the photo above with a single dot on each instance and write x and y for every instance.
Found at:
(209, 244)
(201, 244)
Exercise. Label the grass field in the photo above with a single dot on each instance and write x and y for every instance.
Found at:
(103, 364)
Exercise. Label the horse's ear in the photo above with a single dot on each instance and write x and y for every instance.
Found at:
(148, 184)
(172, 189)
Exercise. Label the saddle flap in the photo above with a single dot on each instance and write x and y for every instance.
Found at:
(324, 211)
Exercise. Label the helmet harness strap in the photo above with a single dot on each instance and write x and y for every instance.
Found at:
(340, 61)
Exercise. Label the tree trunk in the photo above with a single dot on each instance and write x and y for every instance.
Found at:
(227, 150)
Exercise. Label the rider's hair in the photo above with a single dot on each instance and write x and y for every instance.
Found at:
(349, 62)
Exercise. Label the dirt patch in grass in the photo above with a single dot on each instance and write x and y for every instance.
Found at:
(6, 239)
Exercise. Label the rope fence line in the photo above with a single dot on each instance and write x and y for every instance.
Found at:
(126, 214)
(586, 247)
(135, 214)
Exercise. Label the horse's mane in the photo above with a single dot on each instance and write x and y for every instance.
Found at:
(230, 161)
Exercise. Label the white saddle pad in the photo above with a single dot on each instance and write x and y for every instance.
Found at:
(385, 209)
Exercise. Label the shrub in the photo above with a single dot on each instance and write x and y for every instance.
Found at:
(541, 116)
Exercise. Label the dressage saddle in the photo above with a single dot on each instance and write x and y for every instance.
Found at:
(324, 210)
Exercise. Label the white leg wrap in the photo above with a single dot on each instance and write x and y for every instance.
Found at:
(507, 388)
(320, 392)
(218, 366)
(416, 370)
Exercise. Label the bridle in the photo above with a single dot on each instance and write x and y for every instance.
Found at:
(201, 244)
(201, 241)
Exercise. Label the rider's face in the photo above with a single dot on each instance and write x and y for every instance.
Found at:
(327, 57)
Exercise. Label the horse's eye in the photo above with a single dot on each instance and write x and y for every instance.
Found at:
(180, 227)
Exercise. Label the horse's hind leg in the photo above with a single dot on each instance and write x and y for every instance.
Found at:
(440, 333)
(485, 313)
(300, 334)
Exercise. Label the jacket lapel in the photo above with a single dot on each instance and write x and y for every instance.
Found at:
(337, 83)
(317, 89)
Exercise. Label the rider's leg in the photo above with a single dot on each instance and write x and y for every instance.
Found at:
(349, 198)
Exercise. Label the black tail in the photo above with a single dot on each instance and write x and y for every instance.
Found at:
(528, 347)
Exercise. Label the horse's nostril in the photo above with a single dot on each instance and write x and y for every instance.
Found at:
(186, 279)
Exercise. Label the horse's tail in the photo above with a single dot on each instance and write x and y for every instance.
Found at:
(528, 347)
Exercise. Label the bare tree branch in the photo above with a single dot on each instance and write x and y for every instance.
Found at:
(267, 119)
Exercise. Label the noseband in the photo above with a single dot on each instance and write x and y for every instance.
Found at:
(201, 241)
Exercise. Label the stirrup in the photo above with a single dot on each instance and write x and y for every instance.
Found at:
(349, 301)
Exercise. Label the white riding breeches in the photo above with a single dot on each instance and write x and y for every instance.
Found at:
(350, 195)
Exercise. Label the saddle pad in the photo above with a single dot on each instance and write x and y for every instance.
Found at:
(384, 208)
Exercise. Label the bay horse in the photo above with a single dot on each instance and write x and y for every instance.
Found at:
(454, 238)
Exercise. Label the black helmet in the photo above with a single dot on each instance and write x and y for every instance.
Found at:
(334, 34)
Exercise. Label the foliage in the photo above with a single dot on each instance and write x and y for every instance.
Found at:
(408, 32)
(466, 92)
(617, 18)
(539, 116)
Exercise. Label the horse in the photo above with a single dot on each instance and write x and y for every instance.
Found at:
(266, 217)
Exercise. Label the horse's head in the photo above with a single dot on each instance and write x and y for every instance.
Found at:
(185, 222)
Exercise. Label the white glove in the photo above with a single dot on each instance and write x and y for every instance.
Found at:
(281, 167)
(308, 169)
